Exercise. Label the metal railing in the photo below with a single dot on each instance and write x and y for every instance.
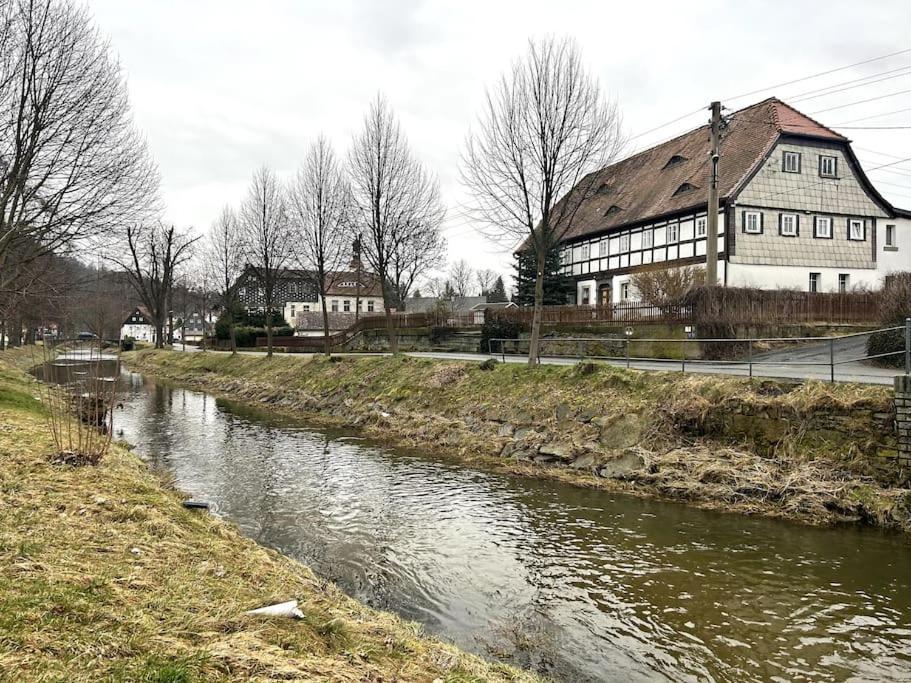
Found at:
(745, 348)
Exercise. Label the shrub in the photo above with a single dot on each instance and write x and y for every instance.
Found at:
(246, 336)
(127, 344)
(894, 306)
(497, 328)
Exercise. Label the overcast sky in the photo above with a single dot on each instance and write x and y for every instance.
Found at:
(221, 87)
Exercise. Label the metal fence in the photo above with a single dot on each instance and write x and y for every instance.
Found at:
(749, 353)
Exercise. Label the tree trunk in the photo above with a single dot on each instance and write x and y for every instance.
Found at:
(268, 332)
(327, 347)
(159, 335)
(534, 344)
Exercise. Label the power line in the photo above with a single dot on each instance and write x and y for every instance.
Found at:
(816, 75)
(819, 182)
(869, 99)
(875, 116)
(823, 92)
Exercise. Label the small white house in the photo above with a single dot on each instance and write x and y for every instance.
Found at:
(139, 326)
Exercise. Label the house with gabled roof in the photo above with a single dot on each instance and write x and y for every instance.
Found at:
(796, 210)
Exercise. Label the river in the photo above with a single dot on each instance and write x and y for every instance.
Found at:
(580, 585)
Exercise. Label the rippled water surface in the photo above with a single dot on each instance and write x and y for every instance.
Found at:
(577, 584)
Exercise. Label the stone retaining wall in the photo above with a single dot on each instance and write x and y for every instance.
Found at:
(903, 418)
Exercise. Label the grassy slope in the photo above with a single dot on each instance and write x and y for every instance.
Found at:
(456, 408)
(78, 603)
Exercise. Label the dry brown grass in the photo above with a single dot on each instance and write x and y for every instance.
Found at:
(105, 576)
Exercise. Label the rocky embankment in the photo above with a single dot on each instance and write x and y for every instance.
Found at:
(813, 452)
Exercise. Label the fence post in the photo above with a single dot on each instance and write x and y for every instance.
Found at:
(750, 355)
(627, 352)
(832, 359)
(908, 346)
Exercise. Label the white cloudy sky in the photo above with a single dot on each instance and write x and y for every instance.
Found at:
(221, 87)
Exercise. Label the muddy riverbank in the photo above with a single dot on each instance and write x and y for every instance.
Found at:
(813, 453)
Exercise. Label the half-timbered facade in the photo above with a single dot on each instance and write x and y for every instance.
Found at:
(796, 210)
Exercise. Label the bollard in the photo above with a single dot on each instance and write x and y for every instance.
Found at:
(750, 356)
(627, 352)
(908, 346)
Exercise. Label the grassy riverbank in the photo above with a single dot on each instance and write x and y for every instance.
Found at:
(816, 453)
(105, 576)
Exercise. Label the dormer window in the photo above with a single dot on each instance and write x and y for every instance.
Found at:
(674, 160)
(684, 188)
(612, 210)
(604, 189)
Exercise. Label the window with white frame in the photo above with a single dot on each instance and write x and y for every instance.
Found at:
(673, 233)
(292, 311)
(890, 236)
(647, 239)
(752, 222)
(787, 225)
(602, 248)
(585, 252)
(701, 226)
(815, 281)
(822, 227)
(790, 163)
(624, 243)
(624, 291)
(856, 230)
(306, 308)
(346, 305)
(335, 305)
(370, 306)
(844, 281)
(828, 166)
(586, 296)
(564, 256)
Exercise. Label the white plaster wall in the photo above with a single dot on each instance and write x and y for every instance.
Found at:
(798, 277)
(592, 292)
(897, 259)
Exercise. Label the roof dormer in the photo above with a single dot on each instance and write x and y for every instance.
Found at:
(612, 210)
(675, 160)
(683, 189)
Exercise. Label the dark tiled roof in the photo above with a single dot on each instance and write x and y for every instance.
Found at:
(654, 182)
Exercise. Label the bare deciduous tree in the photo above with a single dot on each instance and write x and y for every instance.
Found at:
(319, 207)
(461, 275)
(398, 204)
(72, 166)
(268, 241)
(486, 279)
(156, 254)
(224, 262)
(545, 128)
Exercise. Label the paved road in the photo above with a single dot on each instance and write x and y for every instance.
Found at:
(791, 364)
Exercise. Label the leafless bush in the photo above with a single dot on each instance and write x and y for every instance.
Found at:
(79, 396)
(660, 286)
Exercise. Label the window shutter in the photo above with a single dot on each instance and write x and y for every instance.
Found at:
(761, 220)
(780, 222)
(797, 224)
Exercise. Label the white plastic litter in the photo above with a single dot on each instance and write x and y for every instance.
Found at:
(282, 609)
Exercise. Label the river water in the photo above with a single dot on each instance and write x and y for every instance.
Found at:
(579, 585)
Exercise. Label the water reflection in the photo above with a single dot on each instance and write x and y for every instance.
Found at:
(577, 584)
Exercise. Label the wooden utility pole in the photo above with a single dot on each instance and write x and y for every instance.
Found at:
(711, 246)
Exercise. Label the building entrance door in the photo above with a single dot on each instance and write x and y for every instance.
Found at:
(604, 295)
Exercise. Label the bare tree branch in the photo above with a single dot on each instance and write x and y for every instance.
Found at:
(398, 204)
(544, 129)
